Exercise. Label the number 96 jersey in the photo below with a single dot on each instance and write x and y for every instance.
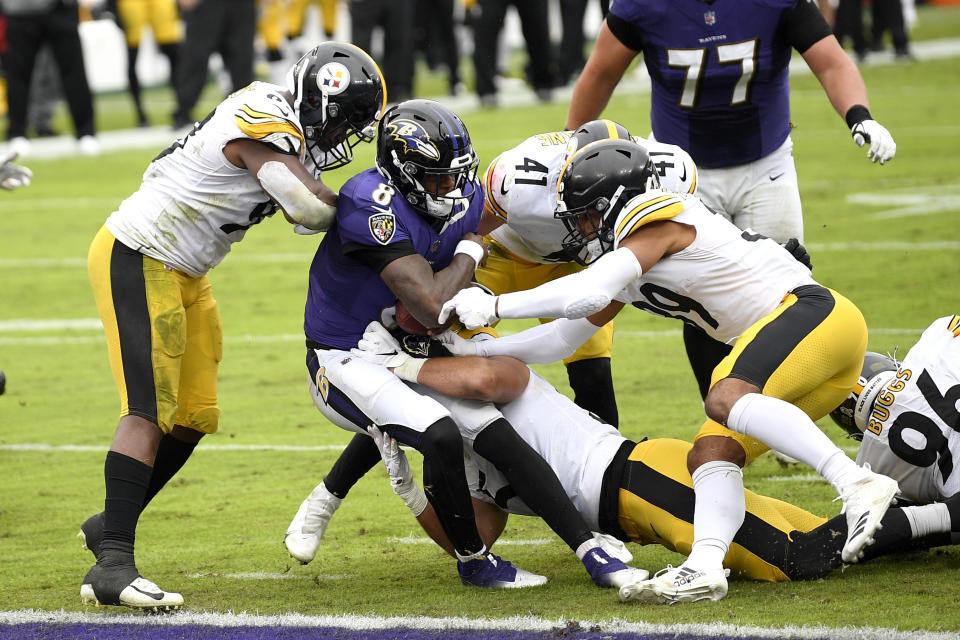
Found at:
(913, 432)
(521, 189)
(194, 203)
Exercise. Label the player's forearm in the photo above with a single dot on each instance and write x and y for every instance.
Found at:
(495, 380)
(577, 295)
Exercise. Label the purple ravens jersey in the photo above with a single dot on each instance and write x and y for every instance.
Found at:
(719, 73)
(346, 294)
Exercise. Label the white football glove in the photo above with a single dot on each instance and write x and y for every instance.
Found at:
(882, 146)
(13, 176)
(301, 230)
(401, 477)
(456, 345)
(473, 306)
(379, 347)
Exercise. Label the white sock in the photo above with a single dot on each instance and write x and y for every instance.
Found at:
(719, 512)
(786, 428)
(929, 518)
(472, 556)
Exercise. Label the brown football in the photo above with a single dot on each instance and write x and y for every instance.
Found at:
(407, 322)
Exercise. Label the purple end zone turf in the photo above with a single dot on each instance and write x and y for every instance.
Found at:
(95, 631)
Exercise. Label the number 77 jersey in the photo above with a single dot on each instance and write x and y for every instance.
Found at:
(913, 432)
(718, 70)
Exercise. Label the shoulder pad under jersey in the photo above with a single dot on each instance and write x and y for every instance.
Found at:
(263, 115)
(647, 208)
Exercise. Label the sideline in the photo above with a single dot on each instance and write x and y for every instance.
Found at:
(516, 94)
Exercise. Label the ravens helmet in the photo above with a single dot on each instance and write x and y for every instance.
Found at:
(595, 184)
(592, 132)
(853, 413)
(338, 96)
(424, 149)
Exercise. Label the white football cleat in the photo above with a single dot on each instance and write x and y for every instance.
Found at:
(123, 586)
(308, 526)
(864, 503)
(680, 584)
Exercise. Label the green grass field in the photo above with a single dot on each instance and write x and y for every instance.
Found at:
(887, 237)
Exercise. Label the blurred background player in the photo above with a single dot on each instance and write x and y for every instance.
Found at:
(393, 21)
(226, 27)
(487, 19)
(262, 149)
(30, 25)
(720, 91)
(162, 17)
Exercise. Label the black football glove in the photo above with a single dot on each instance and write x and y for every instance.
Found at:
(799, 252)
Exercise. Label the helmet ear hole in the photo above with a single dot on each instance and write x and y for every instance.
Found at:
(333, 110)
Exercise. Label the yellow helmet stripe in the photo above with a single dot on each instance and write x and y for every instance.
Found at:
(611, 129)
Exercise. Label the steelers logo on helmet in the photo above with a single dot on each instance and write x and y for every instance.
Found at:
(333, 78)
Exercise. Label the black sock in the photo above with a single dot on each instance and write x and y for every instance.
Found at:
(704, 354)
(360, 456)
(171, 456)
(953, 508)
(533, 480)
(126, 481)
(592, 385)
(896, 536)
(445, 485)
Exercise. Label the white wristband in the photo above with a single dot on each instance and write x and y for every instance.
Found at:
(410, 370)
(414, 498)
(472, 249)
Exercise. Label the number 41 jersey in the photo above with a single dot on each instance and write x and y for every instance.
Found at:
(913, 433)
(194, 203)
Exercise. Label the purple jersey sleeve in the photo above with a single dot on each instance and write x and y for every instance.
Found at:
(345, 294)
(719, 73)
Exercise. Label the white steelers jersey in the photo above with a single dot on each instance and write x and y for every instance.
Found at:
(913, 432)
(725, 281)
(578, 447)
(194, 203)
(521, 189)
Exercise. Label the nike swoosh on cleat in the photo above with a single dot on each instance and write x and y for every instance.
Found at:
(155, 596)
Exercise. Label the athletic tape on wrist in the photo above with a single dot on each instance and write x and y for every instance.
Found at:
(410, 370)
(472, 249)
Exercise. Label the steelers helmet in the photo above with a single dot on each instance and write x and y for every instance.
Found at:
(599, 179)
(852, 415)
(338, 96)
(424, 149)
(592, 132)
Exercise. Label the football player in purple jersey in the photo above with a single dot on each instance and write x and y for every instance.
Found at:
(407, 230)
(720, 91)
